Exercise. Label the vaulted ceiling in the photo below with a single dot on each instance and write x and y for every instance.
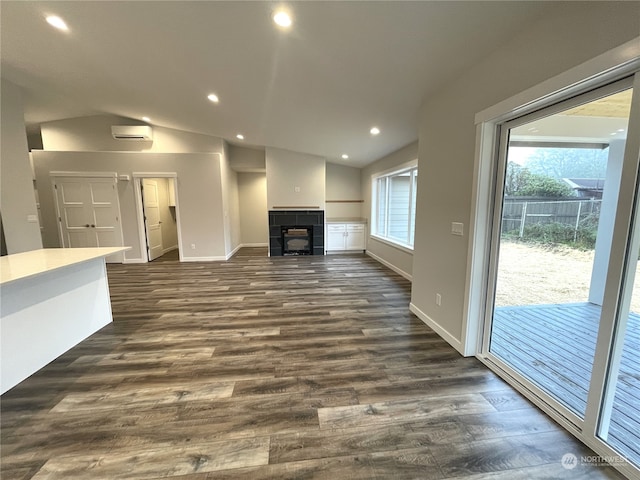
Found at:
(316, 87)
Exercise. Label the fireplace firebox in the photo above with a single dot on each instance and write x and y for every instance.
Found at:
(297, 240)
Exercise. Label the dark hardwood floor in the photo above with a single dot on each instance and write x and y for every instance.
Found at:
(273, 368)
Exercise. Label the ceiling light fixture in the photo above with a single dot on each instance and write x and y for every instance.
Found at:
(240, 136)
(213, 97)
(621, 129)
(57, 22)
(282, 19)
(345, 156)
(146, 119)
(374, 131)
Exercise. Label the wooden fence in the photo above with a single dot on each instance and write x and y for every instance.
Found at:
(517, 212)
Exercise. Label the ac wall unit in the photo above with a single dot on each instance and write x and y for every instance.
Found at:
(132, 132)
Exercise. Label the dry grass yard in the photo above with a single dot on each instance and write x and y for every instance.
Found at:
(535, 274)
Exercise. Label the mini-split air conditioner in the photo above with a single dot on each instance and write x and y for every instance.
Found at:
(132, 132)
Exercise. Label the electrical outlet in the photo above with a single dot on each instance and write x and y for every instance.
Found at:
(193, 246)
(438, 299)
(296, 189)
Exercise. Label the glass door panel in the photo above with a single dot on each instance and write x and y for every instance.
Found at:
(620, 418)
(560, 192)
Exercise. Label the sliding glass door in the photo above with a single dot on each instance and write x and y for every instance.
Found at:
(557, 321)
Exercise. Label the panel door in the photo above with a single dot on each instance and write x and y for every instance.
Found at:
(104, 216)
(74, 213)
(88, 213)
(152, 221)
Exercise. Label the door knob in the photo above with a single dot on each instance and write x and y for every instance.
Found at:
(87, 225)
(93, 226)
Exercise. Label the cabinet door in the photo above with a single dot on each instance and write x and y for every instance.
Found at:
(336, 237)
(355, 237)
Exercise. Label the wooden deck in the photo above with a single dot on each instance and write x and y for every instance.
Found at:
(554, 346)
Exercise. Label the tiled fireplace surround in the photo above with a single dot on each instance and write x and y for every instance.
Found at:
(295, 218)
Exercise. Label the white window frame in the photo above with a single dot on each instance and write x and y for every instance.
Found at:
(412, 169)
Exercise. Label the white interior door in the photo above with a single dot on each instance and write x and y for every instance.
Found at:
(74, 215)
(152, 221)
(88, 212)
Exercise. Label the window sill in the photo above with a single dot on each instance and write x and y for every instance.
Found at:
(400, 246)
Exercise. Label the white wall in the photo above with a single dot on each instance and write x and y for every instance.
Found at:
(93, 133)
(343, 183)
(198, 185)
(288, 171)
(230, 203)
(447, 138)
(247, 159)
(254, 225)
(217, 185)
(397, 258)
(17, 197)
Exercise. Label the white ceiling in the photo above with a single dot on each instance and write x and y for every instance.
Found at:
(318, 88)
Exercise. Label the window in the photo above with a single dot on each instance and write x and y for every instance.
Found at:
(394, 206)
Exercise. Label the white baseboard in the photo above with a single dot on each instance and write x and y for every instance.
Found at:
(134, 260)
(233, 252)
(170, 249)
(390, 265)
(446, 336)
(203, 259)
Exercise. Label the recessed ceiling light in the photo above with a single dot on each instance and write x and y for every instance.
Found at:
(282, 18)
(345, 156)
(240, 136)
(57, 22)
(213, 97)
(146, 119)
(621, 129)
(614, 133)
(374, 131)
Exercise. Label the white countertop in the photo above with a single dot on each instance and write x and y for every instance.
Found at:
(346, 220)
(36, 262)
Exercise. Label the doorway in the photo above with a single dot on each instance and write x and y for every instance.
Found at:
(560, 314)
(158, 215)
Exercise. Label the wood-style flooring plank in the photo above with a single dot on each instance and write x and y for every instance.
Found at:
(272, 368)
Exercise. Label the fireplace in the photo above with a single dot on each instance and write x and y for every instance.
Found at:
(297, 240)
(296, 232)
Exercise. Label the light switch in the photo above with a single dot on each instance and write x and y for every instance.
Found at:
(457, 228)
(32, 218)
(296, 189)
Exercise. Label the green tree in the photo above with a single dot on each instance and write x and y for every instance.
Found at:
(520, 182)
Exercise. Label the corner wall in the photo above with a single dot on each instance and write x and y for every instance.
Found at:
(17, 196)
(398, 259)
(254, 225)
(343, 191)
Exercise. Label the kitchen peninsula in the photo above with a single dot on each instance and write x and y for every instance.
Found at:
(50, 300)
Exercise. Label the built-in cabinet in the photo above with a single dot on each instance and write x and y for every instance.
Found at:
(346, 236)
